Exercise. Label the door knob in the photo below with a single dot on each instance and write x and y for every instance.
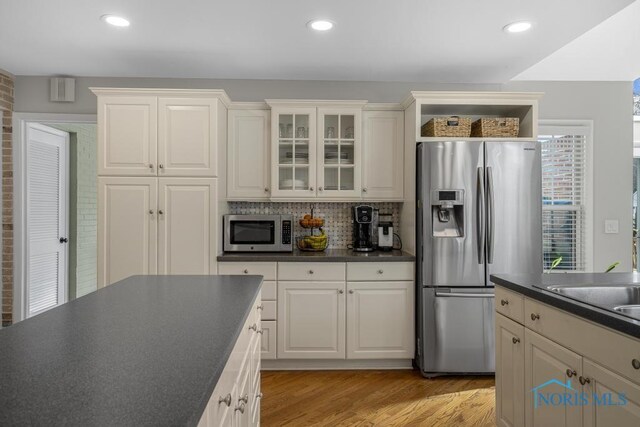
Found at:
(63, 240)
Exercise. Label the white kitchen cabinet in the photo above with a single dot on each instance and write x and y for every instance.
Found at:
(383, 155)
(509, 372)
(293, 152)
(380, 322)
(187, 225)
(603, 382)
(127, 135)
(127, 222)
(187, 136)
(339, 148)
(248, 155)
(269, 337)
(311, 320)
(544, 361)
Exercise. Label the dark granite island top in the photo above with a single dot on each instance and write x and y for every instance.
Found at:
(329, 255)
(146, 351)
(524, 284)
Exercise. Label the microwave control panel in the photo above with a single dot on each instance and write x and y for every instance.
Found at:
(286, 232)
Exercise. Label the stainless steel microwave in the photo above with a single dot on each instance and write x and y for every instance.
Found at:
(258, 233)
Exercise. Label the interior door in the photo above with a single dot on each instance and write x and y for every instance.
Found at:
(514, 207)
(187, 225)
(46, 173)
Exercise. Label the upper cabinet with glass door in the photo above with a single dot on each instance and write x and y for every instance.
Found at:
(293, 148)
(339, 162)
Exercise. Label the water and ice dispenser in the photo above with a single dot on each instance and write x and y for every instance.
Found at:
(447, 213)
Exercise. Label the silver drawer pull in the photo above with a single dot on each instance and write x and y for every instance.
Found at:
(571, 373)
(635, 363)
(240, 408)
(516, 340)
(504, 302)
(535, 316)
(310, 271)
(340, 291)
(261, 331)
(260, 307)
(380, 271)
(244, 399)
(226, 400)
(584, 380)
(246, 271)
(253, 327)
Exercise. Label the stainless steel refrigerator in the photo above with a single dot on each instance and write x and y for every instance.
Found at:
(478, 213)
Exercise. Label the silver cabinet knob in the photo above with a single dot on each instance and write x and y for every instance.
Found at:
(310, 188)
(350, 291)
(160, 212)
(226, 400)
(253, 327)
(515, 340)
(635, 363)
(571, 373)
(535, 316)
(266, 190)
(364, 190)
(240, 408)
(244, 399)
(380, 271)
(310, 271)
(340, 291)
(504, 302)
(150, 211)
(246, 271)
(319, 188)
(161, 166)
(259, 396)
(150, 165)
(584, 380)
(261, 331)
(260, 307)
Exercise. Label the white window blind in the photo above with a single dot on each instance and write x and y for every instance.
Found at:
(564, 179)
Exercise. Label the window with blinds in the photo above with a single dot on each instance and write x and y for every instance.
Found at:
(563, 198)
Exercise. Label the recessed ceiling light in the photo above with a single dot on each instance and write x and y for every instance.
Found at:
(517, 27)
(116, 21)
(320, 25)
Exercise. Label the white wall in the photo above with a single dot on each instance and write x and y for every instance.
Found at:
(609, 105)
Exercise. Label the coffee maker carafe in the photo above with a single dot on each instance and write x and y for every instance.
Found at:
(362, 228)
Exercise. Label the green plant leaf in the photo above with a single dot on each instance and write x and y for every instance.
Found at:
(612, 266)
(555, 263)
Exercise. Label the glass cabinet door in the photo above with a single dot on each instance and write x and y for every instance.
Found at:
(295, 154)
(339, 152)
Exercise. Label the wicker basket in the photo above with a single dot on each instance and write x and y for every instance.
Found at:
(447, 126)
(507, 127)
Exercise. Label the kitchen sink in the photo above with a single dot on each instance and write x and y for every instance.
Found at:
(623, 299)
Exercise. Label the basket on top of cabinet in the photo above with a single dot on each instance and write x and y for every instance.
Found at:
(447, 126)
(501, 127)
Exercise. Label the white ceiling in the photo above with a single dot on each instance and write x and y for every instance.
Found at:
(374, 40)
(607, 52)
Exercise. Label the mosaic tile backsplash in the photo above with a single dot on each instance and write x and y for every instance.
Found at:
(337, 216)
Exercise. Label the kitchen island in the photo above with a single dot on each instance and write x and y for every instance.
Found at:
(559, 335)
(148, 350)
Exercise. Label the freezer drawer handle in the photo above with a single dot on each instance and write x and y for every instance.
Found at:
(464, 295)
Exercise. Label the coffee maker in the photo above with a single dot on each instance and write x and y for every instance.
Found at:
(362, 228)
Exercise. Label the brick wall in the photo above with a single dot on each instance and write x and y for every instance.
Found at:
(6, 105)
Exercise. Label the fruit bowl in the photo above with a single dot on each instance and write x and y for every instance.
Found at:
(313, 243)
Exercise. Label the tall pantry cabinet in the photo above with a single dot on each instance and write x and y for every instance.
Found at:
(157, 181)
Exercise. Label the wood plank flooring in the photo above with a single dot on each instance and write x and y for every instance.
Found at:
(375, 398)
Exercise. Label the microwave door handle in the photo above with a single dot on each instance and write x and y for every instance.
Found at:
(491, 215)
(480, 215)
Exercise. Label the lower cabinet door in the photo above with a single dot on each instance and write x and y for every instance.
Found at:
(311, 320)
(614, 400)
(509, 373)
(268, 341)
(380, 321)
(221, 406)
(550, 371)
(242, 405)
(187, 226)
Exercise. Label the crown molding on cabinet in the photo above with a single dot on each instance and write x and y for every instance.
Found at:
(315, 103)
(249, 106)
(191, 93)
(471, 98)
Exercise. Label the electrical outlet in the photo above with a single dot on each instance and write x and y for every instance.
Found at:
(611, 226)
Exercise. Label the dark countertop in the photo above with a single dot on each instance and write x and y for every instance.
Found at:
(146, 351)
(330, 255)
(524, 284)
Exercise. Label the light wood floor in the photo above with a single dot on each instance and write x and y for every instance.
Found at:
(375, 398)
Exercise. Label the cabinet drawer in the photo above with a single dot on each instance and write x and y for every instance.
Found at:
(269, 310)
(611, 349)
(268, 340)
(269, 291)
(367, 271)
(312, 271)
(510, 304)
(265, 269)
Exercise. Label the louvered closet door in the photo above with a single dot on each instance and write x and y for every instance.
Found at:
(46, 218)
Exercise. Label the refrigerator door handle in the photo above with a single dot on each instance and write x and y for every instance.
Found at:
(491, 215)
(480, 215)
(464, 295)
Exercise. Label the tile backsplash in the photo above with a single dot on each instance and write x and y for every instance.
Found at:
(337, 216)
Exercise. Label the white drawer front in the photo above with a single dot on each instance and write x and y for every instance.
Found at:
(269, 310)
(368, 271)
(265, 269)
(312, 271)
(269, 291)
